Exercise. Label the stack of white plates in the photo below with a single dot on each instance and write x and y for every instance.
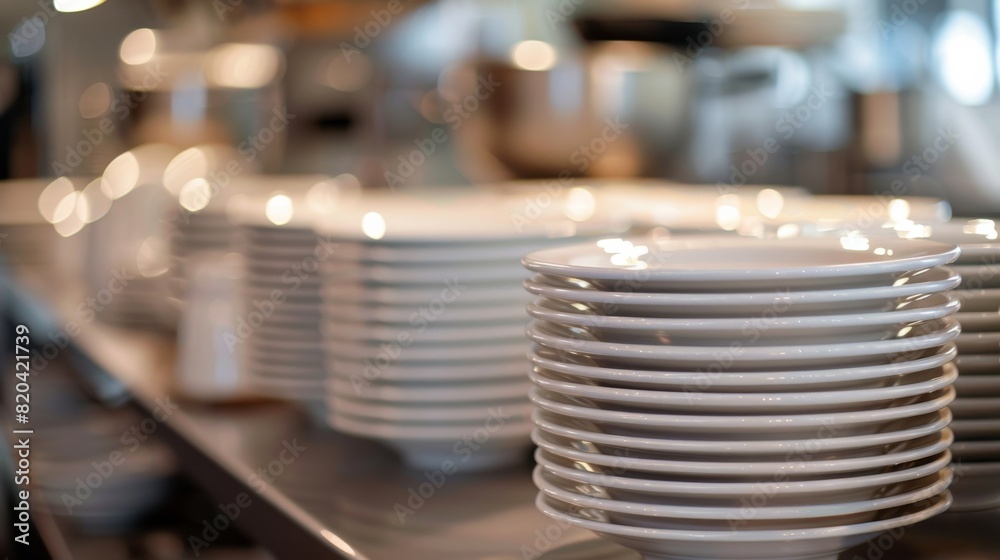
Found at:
(742, 398)
(977, 407)
(423, 320)
(278, 327)
(206, 231)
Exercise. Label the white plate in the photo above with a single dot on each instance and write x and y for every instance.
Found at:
(822, 543)
(757, 304)
(978, 364)
(405, 413)
(979, 322)
(978, 386)
(508, 250)
(976, 451)
(903, 430)
(744, 424)
(415, 316)
(619, 482)
(435, 353)
(835, 328)
(965, 407)
(694, 401)
(731, 262)
(426, 332)
(422, 275)
(976, 487)
(661, 514)
(978, 300)
(736, 381)
(987, 428)
(451, 293)
(978, 342)
(414, 393)
(738, 356)
(978, 277)
(393, 371)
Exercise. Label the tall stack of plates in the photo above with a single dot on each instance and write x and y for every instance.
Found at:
(423, 322)
(278, 328)
(977, 408)
(743, 398)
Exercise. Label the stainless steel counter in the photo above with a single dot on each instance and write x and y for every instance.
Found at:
(305, 492)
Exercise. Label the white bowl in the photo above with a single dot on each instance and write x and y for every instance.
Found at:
(770, 424)
(742, 303)
(833, 328)
(737, 381)
(694, 401)
(738, 356)
(821, 543)
(798, 466)
(675, 513)
(725, 263)
(976, 487)
(620, 483)
(902, 430)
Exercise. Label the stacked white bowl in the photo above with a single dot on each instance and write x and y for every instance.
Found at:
(423, 321)
(977, 407)
(730, 397)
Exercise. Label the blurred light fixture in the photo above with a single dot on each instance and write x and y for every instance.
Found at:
(138, 47)
(963, 57)
(769, 203)
(242, 65)
(93, 203)
(348, 74)
(373, 225)
(27, 38)
(69, 6)
(534, 55)
(52, 195)
(279, 210)
(580, 204)
(120, 176)
(195, 194)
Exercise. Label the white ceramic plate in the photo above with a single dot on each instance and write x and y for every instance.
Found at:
(452, 293)
(965, 407)
(904, 430)
(736, 381)
(978, 342)
(735, 356)
(978, 386)
(834, 328)
(414, 393)
(619, 482)
(415, 316)
(387, 411)
(976, 487)
(754, 304)
(743, 424)
(427, 332)
(661, 514)
(978, 364)
(435, 353)
(987, 428)
(694, 401)
(373, 370)
(823, 543)
(414, 274)
(730, 262)
(976, 451)
(978, 277)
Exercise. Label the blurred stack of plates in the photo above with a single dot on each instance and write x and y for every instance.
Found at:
(977, 408)
(423, 319)
(206, 230)
(730, 397)
(277, 327)
(26, 236)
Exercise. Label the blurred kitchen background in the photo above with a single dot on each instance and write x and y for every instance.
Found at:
(832, 96)
(851, 90)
